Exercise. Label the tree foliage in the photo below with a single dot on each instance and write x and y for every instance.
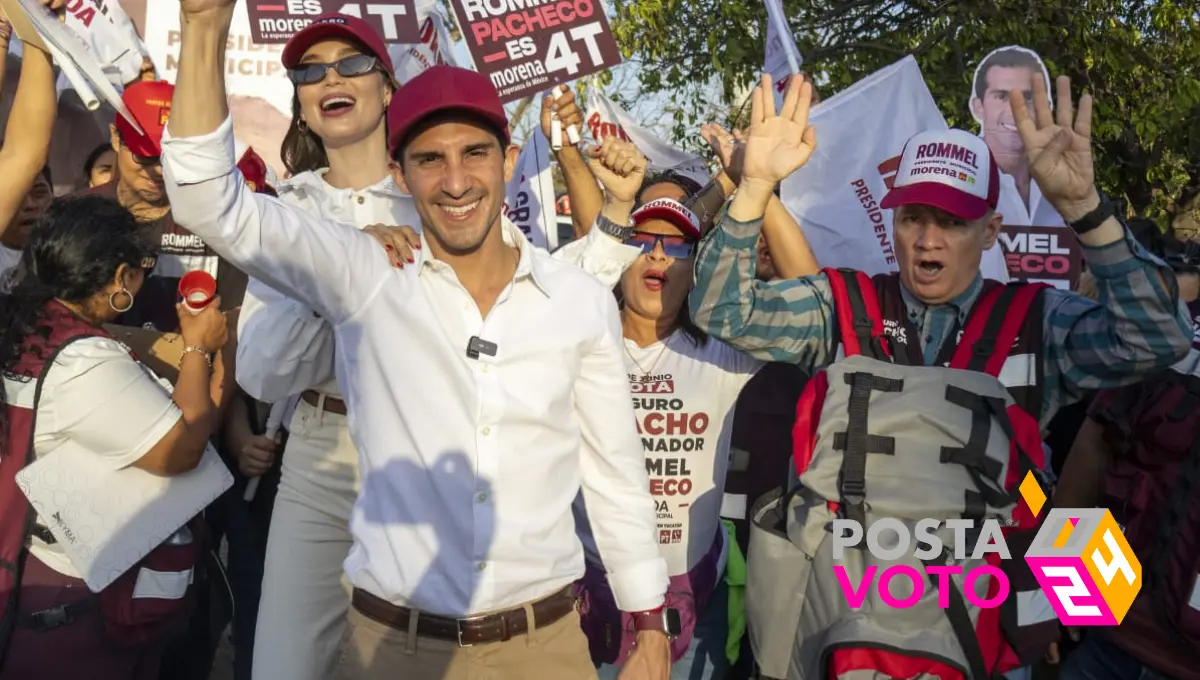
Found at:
(1139, 59)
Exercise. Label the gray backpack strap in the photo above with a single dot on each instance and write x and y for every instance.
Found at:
(964, 630)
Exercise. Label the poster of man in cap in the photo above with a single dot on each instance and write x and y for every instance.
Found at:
(1037, 243)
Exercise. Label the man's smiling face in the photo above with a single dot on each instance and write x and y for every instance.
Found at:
(999, 128)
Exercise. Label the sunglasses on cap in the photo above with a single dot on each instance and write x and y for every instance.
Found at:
(678, 247)
(347, 67)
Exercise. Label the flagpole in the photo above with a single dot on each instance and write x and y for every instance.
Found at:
(784, 34)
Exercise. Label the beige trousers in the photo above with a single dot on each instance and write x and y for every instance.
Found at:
(302, 613)
(375, 651)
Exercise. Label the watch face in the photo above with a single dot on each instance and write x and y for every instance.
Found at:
(672, 621)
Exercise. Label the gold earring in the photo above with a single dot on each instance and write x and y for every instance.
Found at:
(112, 300)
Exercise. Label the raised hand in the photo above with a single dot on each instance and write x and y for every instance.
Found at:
(778, 144)
(619, 166)
(55, 5)
(729, 147)
(566, 108)
(1059, 147)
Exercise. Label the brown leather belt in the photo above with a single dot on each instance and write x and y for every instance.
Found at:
(479, 630)
(332, 404)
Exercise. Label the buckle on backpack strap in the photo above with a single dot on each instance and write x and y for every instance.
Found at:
(853, 491)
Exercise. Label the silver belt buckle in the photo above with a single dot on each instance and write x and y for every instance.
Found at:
(458, 624)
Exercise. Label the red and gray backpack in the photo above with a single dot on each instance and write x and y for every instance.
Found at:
(131, 616)
(1153, 491)
(877, 436)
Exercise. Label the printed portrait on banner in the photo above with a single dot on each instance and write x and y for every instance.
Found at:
(1037, 243)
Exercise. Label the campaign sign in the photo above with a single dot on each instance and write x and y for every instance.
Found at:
(1042, 254)
(274, 22)
(529, 47)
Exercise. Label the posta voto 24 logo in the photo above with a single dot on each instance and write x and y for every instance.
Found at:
(1079, 556)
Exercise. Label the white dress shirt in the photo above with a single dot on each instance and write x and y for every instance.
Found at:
(469, 467)
(284, 347)
(1039, 213)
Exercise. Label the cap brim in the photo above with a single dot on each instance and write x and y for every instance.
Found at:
(397, 137)
(957, 203)
(663, 213)
(312, 34)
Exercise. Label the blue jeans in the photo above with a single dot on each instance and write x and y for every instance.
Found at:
(1099, 659)
(705, 657)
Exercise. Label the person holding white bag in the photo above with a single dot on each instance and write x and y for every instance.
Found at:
(69, 386)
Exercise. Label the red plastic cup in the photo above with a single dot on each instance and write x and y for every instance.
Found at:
(197, 288)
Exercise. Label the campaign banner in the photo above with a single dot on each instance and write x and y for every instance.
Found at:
(433, 49)
(605, 118)
(526, 47)
(1050, 255)
(258, 89)
(529, 197)
(274, 22)
(782, 57)
(862, 131)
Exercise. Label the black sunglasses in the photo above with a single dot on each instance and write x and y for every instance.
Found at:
(678, 247)
(348, 67)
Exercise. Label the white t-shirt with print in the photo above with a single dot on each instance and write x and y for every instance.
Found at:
(684, 397)
(96, 397)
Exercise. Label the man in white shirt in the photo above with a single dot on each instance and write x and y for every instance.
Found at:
(485, 388)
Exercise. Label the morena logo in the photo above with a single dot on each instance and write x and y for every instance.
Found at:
(888, 169)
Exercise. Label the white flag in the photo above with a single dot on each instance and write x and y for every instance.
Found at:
(605, 118)
(434, 48)
(111, 38)
(861, 132)
(529, 197)
(782, 57)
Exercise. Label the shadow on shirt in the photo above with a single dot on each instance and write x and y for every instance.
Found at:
(453, 570)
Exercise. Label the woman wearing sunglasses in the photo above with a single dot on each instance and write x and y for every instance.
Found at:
(336, 153)
(684, 386)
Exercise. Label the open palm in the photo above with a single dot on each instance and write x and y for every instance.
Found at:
(778, 144)
(1058, 147)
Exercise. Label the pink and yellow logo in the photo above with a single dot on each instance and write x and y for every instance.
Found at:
(1082, 562)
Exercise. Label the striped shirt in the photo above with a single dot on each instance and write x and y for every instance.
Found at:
(1138, 327)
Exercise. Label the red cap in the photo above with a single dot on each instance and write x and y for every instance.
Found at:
(443, 88)
(672, 211)
(150, 104)
(336, 25)
(949, 169)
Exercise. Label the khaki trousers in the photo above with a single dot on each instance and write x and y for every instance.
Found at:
(375, 651)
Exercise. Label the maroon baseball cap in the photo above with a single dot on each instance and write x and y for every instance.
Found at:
(150, 104)
(949, 169)
(335, 25)
(443, 88)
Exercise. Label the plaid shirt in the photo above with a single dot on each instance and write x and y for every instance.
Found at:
(1137, 328)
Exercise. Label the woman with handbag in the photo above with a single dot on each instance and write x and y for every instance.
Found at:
(68, 384)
